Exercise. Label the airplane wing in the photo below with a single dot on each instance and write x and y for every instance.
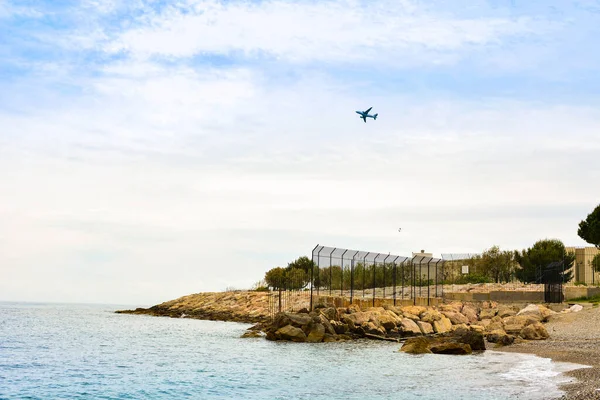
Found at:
(366, 112)
(364, 117)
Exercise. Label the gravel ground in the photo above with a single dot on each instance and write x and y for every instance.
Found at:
(574, 338)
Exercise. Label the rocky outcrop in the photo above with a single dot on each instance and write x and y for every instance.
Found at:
(238, 306)
(461, 341)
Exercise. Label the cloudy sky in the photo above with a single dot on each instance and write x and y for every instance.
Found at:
(151, 149)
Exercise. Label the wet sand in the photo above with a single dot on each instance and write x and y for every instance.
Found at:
(574, 338)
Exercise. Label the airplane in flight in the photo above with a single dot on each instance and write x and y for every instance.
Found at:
(365, 114)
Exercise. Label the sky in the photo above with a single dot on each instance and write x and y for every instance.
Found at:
(150, 149)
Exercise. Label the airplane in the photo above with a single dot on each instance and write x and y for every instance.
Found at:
(365, 114)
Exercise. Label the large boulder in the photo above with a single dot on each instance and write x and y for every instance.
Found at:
(515, 324)
(426, 328)
(339, 327)
(450, 348)
(506, 311)
(414, 310)
(455, 306)
(408, 327)
(470, 312)
(471, 337)
(328, 327)
(535, 331)
(443, 325)
(455, 317)
(299, 319)
(292, 333)
(389, 320)
(537, 311)
(500, 337)
(416, 345)
(430, 315)
(487, 313)
(330, 313)
(316, 334)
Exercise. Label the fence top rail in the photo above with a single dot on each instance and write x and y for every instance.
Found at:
(370, 256)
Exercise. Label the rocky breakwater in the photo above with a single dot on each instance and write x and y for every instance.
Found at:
(239, 306)
(454, 323)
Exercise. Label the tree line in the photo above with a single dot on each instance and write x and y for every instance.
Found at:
(545, 261)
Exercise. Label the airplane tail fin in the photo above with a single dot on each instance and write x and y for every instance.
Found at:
(375, 116)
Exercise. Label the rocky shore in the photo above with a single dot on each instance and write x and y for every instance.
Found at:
(243, 306)
(563, 333)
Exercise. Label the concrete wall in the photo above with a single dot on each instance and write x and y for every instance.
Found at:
(501, 296)
(573, 292)
(366, 303)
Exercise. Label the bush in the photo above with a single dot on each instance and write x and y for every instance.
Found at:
(472, 278)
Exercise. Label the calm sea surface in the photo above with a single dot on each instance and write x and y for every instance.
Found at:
(50, 351)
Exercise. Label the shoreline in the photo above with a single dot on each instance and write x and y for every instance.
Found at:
(574, 338)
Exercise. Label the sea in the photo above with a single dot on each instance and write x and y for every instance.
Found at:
(73, 351)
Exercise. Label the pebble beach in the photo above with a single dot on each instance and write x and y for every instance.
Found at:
(574, 338)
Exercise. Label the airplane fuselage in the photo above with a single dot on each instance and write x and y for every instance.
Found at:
(365, 115)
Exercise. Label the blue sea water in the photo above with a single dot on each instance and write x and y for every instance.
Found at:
(59, 351)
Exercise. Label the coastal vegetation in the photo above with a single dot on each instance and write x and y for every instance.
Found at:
(493, 265)
(589, 228)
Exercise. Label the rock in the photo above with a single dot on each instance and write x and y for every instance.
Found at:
(373, 329)
(455, 317)
(388, 320)
(471, 337)
(251, 334)
(442, 326)
(303, 311)
(535, 331)
(414, 310)
(292, 333)
(412, 316)
(417, 345)
(339, 327)
(455, 306)
(408, 327)
(327, 338)
(500, 337)
(470, 312)
(532, 310)
(478, 328)
(425, 327)
(484, 323)
(316, 334)
(451, 348)
(330, 313)
(576, 308)
(430, 315)
(328, 327)
(504, 312)
(487, 313)
(299, 319)
(514, 325)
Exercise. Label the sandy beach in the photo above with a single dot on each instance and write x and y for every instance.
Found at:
(574, 338)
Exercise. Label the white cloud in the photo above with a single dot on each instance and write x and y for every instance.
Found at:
(332, 31)
(216, 174)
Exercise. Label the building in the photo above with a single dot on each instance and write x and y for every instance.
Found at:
(422, 254)
(583, 271)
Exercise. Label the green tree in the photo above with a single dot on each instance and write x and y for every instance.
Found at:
(275, 278)
(596, 262)
(589, 228)
(304, 263)
(533, 262)
(497, 265)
